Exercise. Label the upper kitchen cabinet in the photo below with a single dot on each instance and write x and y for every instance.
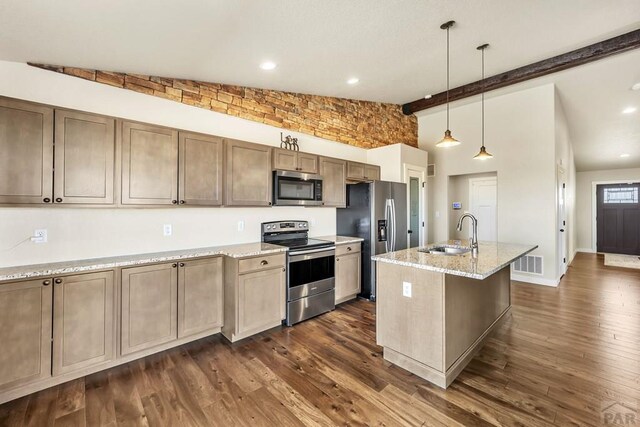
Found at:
(294, 161)
(248, 174)
(362, 172)
(200, 171)
(334, 174)
(26, 152)
(84, 158)
(149, 165)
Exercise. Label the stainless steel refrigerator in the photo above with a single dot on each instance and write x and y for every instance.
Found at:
(377, 212)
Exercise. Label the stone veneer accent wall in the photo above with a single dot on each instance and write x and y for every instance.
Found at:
(362, 124)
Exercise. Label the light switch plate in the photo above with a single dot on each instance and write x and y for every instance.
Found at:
(39, 236)
(406, 289)
(167, 230)
(240, 225)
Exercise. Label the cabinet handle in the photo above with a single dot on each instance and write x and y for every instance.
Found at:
(182, 264)
(269, 203)
(174, 265)
(182, 202)
(46, 282)
(57, 281)
(46, 200)
(264, 262)
(284, 269)
(348, 248)
(337, 259)
(174, 202)
(59, 200)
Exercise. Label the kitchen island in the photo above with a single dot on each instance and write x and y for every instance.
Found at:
(434, 311)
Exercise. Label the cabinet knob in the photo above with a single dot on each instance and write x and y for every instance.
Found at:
(59, 200)
(46, 282)
(46, 200)
(264, 262)
(182, 264)
(182, 202)
(174, 265)
(284, 269)
(57, 281)
(269, 203)
(348, 248)
(174, 202)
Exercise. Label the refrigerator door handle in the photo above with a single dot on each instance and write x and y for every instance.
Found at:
(387, 218)
(393, 223)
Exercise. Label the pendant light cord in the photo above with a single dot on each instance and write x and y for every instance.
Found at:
(482, 97)
(447, 78)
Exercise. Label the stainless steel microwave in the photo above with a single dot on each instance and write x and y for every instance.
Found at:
(296, 189)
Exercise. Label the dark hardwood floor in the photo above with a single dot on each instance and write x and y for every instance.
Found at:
(563, 356)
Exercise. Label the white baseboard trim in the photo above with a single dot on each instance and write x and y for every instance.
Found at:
(587, 250)
(535, 280)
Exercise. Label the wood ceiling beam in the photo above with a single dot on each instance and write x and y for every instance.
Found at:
(581, 56)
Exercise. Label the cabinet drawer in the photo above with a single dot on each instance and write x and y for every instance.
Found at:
(346, 249)
(260, 263)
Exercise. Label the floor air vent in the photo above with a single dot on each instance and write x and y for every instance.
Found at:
(528, 264)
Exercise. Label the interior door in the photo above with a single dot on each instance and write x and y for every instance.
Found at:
(414, 212)
(483, 204)
(618, 220)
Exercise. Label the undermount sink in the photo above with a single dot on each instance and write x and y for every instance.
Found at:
(445, 250)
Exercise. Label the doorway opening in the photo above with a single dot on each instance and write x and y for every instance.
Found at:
(561, 221)
(618, 218)
(478, 195)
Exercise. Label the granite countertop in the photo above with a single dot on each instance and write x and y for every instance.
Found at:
(492, 257)
(81, 266)
(341, 240)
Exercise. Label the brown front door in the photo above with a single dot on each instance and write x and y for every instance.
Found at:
(618, 219)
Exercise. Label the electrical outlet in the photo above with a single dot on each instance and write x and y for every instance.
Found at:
(240, 225)
(437, 214)
(39, 236)
(406, 289)
(167, 230)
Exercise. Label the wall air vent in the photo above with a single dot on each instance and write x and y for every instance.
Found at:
(431, 170)
(528, 264)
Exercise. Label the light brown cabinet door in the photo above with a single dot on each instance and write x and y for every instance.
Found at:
(248, 174)
(200, 296)
(149, 165)
(355, 170)
(285, 159)
(26, 152)
(25, 332)
(149, 306)
(334, 187)
(307, 163)
(372, 173)
(83, 322)
(347, 275)
(200, 171)
(84, 158)
(261, 300)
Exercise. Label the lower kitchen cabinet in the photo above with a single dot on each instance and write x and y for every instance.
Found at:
(255, 295)
(83, 321)
(149, 306)
(348, 272)
(25, 332)
(200, 296)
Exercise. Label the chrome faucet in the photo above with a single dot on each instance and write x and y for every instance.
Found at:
(473, 241)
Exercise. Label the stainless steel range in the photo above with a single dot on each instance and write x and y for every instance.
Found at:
(310, 272)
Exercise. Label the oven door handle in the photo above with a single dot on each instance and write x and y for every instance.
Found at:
(312, 251)
(312, 254)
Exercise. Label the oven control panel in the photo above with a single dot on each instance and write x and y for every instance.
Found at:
(276, 226)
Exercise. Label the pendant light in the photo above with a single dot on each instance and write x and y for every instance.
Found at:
(448, 140)
(483, 154)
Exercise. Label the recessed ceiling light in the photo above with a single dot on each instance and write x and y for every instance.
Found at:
(353, 80)
(268, 65)
(636, 86)
(629, 110)
(625, 155)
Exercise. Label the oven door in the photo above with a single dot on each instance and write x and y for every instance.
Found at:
(311, 272)
(295, 189)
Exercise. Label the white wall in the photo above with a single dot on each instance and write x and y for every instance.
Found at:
(392, 158)
(584, 200)
(520, 133)
(458, 189)
(86, 233)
